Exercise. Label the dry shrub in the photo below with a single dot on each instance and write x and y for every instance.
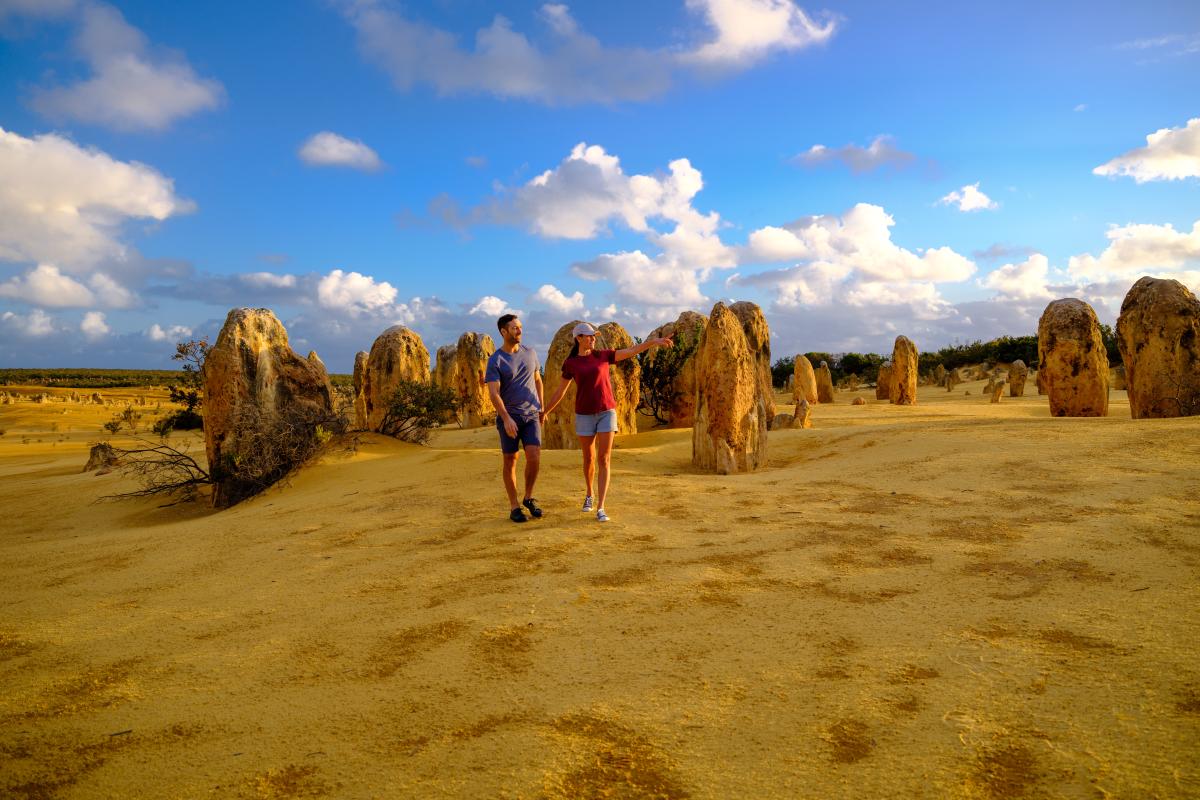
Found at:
(272, 446)
(414, 409)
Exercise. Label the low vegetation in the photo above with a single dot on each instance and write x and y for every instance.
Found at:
(659, 371)
(415, 409)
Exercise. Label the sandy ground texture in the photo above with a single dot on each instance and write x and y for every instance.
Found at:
(957, 600)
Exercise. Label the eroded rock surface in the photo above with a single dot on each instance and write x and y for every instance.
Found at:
(730, 432)
(804, 383)
(902, 385)
(1158, 333)
(253, 377)
(397, 354)
(1072, 360)
(1018, 373)
(685, 331)
(824, 383)
(758, 340)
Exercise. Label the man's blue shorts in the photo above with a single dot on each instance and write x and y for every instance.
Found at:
(529, 433)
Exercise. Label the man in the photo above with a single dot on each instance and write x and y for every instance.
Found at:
(514, 383)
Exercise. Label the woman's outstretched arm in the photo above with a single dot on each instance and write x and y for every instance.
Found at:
(630, 352)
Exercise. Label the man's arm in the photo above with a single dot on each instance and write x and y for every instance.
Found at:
(510, 427)
(630, 352)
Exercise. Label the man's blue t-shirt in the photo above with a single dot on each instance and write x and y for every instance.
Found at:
(517, 373)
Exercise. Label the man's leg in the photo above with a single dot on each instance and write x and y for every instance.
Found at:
(510, 478)
(604, 443)
(533, 460)
(589, 462)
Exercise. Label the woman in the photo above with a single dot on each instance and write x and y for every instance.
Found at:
(595, 408)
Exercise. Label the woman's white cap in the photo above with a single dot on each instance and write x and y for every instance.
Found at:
(584, 329)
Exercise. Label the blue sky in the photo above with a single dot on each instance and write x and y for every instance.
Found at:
(861, 170)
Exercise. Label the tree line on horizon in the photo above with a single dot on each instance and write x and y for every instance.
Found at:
(1004, 349)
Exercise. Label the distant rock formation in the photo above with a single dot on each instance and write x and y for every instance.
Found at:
(939, 375)
(1039, 377)
(883, 383)
(902, 387)
(951, 380)
(1071, 354)
(466, 379)
(730, 433)
(397, 354)
(101, 456)
(97, 398)
(685, 331)
(997, 391)
(1158, 333)
(858, 401)
(824, 383)
(251, 375)
(781, 421)
(1018, 373)
(804, 384)
(360, 396)
(802, 418)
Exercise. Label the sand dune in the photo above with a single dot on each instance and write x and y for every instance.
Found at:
(956, 599)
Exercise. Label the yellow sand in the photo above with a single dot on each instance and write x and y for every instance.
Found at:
(956, 599)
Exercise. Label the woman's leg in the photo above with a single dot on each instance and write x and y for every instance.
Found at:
(604, 443)
(589, 461)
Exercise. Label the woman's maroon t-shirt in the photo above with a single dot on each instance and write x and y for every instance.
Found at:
(593, 390)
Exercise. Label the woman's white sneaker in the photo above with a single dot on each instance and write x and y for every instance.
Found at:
(601, 516)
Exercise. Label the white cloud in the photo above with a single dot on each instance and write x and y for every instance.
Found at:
(131, 88)
(574, 68)
(492, 306)
(328, 149)
(860, 241)
(1081, 107)
(1027, 280)
(881, 152)
(748, 30)
(1142, 249)
(642, 281)
(93, 325)
(355, 294)
(969, 198)
(568, 65)
(109, 293)
(580, 197)
(1170, 154)
(552, 297)
(46, 286)
(65, 205)
(173, 333)
(35, 324)
(36, 8)
(268, 280)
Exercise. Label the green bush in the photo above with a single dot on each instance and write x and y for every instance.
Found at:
(414, 409)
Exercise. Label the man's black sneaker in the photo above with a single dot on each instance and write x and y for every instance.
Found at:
(517, 515)
(532, 505)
